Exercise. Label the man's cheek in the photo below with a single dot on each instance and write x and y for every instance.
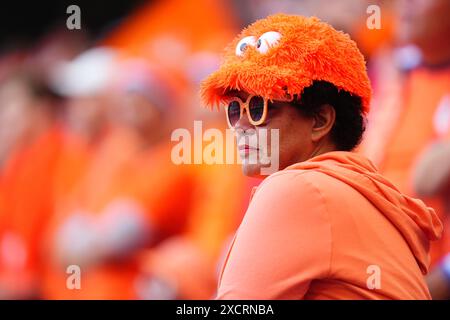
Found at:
(270, 151)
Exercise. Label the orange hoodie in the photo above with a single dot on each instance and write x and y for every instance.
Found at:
(330, 228)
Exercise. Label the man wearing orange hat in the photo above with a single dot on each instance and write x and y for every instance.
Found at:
(327, 225)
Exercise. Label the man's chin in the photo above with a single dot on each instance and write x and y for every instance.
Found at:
(251, 170)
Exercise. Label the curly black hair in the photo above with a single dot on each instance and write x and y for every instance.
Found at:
(350, 121)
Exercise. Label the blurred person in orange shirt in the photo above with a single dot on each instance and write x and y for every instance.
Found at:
(84, 83)
(26, 184)
(124, 200)
(42, 58)
(185, 266)
(426, 25)
(432, 179)
(410, 114)
(32, 135)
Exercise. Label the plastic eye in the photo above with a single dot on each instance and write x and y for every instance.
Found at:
(242, 45)
(267, 40)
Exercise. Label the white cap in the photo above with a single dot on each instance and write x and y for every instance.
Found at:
(87, 74)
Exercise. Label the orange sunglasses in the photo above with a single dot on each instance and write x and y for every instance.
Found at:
(254, 106)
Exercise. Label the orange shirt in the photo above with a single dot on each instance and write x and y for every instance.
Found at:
(190, 260)
(323, 229)
(26, 190)
(121, 170)
(75, 155)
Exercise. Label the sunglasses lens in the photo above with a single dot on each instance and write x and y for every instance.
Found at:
(234, 112)
(256, 108)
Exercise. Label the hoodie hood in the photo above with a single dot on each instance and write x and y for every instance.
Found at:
(417, 223)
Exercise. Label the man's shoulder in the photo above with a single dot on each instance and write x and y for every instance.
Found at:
(291, 186)
(298, 180)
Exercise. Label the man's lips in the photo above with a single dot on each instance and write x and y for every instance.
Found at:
(245, 148)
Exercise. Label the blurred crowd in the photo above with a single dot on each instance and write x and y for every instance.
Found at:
(86, 177)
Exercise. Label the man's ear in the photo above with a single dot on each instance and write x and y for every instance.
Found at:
(323, 122)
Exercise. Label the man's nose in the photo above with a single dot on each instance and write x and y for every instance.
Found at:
(243, 123)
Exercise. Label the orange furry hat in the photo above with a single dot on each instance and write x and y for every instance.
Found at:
(282, 54)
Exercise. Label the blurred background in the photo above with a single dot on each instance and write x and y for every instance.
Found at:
(86, 116)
